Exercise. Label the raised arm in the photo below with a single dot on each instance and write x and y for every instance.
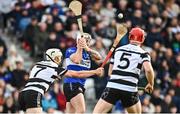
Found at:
(77, 56)
(94, 54)
(84, 74)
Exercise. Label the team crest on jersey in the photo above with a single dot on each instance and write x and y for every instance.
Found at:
(86, 63)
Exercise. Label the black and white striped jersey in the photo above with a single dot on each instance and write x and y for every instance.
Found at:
(43, 75)
(127, 62)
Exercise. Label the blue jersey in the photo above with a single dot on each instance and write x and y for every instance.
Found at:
(85, 64)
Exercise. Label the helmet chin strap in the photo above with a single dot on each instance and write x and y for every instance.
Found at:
(50, 58)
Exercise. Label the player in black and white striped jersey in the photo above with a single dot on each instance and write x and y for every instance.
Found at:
(124, 74)
(42, 75)
(126, 70)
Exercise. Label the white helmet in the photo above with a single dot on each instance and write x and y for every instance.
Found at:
(85, 35)
(52, 53)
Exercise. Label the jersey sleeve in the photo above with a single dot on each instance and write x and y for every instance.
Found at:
(61, 71)
(146, 57)
(69, 52)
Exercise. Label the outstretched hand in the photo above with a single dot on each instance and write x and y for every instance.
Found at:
(100, 71)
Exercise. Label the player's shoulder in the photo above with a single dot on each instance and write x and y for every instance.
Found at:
(131, 48)
(71, 49)
(47, 64)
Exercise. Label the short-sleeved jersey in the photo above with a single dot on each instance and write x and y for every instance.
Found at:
(43, 75)
(127, 62)
(85, 64)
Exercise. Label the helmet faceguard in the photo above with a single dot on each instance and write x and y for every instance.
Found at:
(137, 34)
(86, 36)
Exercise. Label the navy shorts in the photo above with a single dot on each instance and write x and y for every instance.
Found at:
(72, 89)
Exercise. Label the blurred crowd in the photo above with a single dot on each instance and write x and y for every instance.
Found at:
(42, 24)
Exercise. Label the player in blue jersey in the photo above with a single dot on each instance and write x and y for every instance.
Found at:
(78, 58)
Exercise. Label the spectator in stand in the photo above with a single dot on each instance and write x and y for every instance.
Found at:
(36, 9)
(147, 106)
(57, 93)
(59, 29)
(174, 27)
(176, 43)
(177, 81)
(13, 57)
(122, 7)
(172, 8)
(155, 98)
(153, 11)
(55, 15)
(71, 35)
(107, 13)
(153, 36)
(49, 103)
(176, 66)
(19, 75)
(2, 56)
(52, 41)
(25, 21)
(100, 30)
(158, 109)
(2, 43)
(15, 14)
(137, 19)
(166, 104)
(155, 60)
(31, 33)
(40, 39)
(70, 19)
(111, 30)
(48, 19)
(57, 7)
(99, 47)
(173, 109)
(87, 27)
(175, 98)
(168, 55)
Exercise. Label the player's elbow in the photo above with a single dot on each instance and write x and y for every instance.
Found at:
(148, 70)
(99, 58)
(72, 74)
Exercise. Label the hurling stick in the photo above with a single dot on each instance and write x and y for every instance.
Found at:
(76, 8)
(121, 31)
